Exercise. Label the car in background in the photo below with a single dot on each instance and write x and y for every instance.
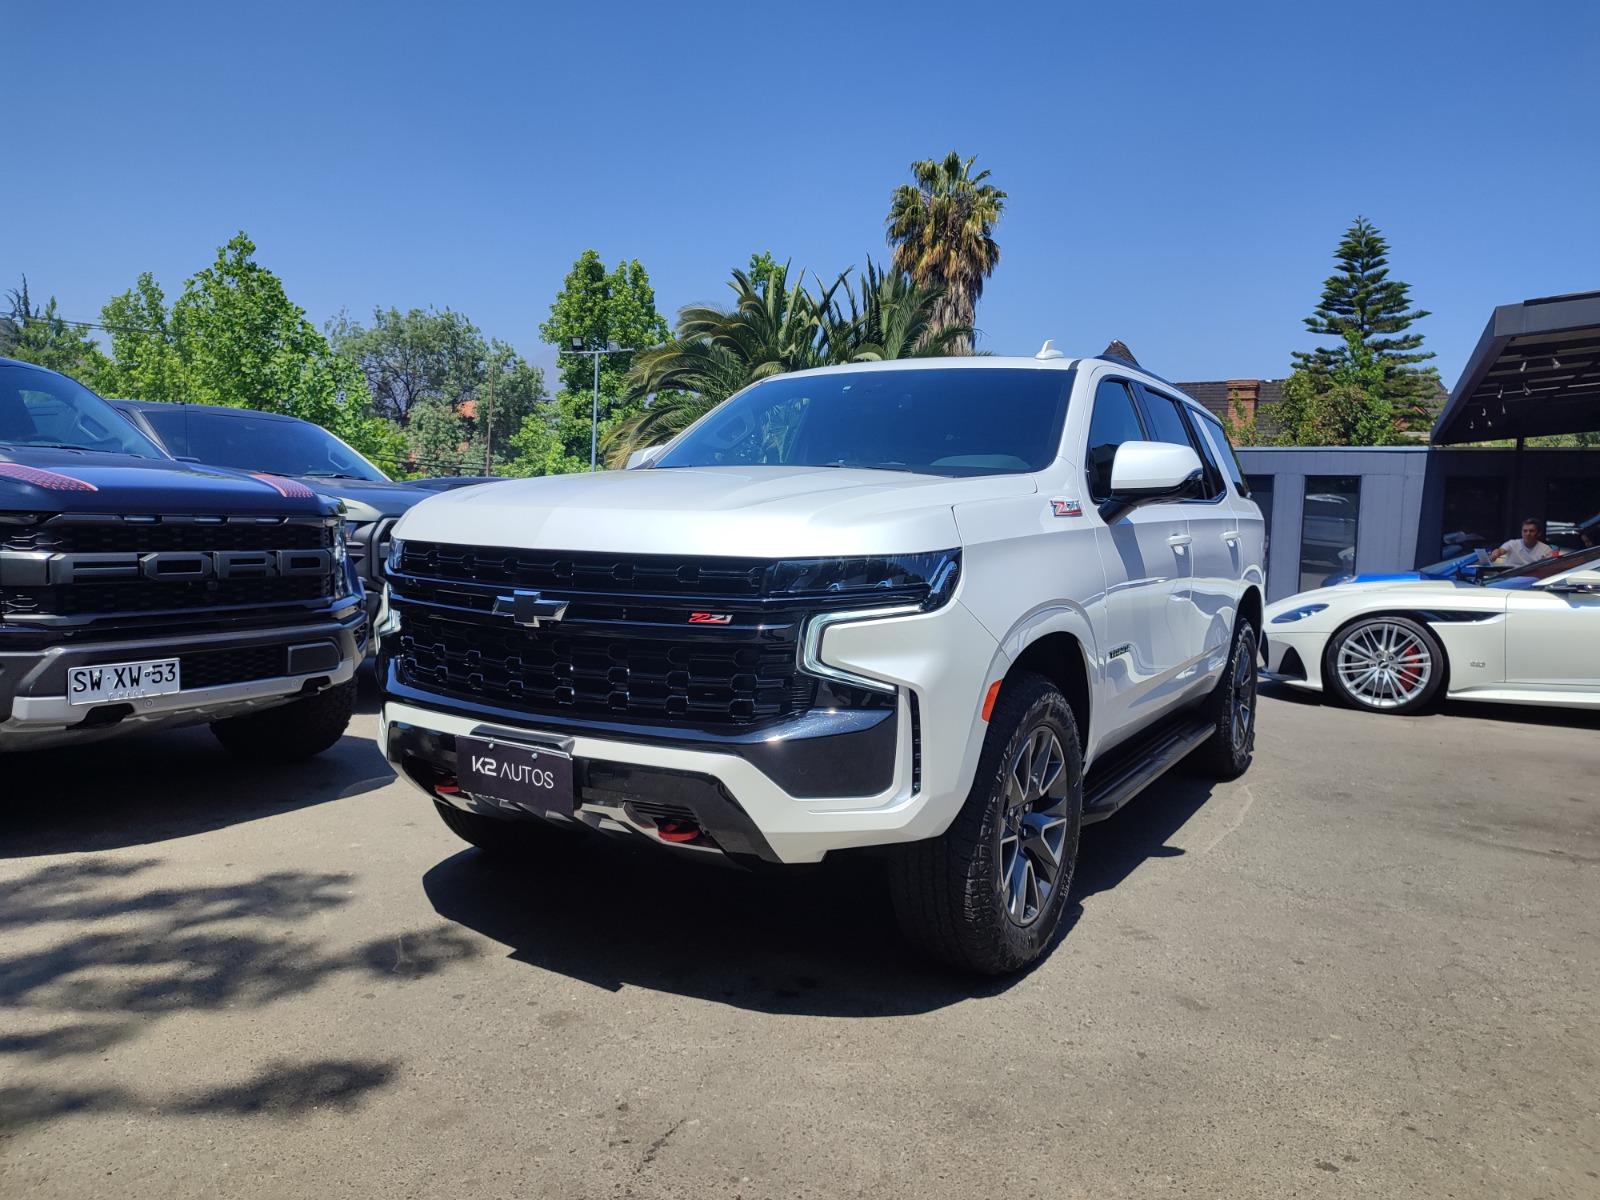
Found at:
(248, 440)
(1526, 634)
(449, 483)
(137, 592)
(1451, 568)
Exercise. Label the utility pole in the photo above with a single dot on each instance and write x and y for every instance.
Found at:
(488, 423)
(594, 415)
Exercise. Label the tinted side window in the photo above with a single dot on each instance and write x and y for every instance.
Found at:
(1230, 459)
(171, 428)
(1167, 424)
(1115, 420)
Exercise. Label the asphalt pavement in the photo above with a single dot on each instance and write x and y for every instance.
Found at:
(1371, 967)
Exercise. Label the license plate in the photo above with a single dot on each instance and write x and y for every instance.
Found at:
(513, 773)
(122, 681)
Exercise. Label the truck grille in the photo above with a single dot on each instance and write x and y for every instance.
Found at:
(27, 589)
(626, 648)
(215, 668)
(109, 534)
(144, 596)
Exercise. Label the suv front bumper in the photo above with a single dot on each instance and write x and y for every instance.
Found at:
(35, 713)
(824, 780)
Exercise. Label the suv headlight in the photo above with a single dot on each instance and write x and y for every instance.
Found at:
(927, 579)
(884, 585)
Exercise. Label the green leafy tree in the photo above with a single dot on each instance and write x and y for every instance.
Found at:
(1362, 305)
(596, 308)
(423, 359)
(145, 361)
(437, 439)
(1346, 406)
(942, 230)
(763, 267)
(409, 357)
(40, 335)
(244, 343)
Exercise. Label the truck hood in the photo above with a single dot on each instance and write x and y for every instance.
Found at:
(124, 483)
(754, 511)
(368, 499)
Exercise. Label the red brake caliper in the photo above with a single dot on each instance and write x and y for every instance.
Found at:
(1410, 670)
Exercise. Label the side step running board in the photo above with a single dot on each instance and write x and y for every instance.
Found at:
(1134, 768)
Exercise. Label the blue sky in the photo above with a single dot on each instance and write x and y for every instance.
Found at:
(1178, 173)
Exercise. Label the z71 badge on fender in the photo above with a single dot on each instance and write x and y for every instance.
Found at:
(1066, 508)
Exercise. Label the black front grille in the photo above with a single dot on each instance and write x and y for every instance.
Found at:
(29, 594)
(641, 671)
(653, 574)
(110, 534)
(81, 599)
(214, 668)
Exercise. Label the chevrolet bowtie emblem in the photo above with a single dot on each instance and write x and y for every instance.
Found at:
(529, 608)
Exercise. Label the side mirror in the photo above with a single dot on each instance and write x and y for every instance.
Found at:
(1149, 472)
(1579, 583)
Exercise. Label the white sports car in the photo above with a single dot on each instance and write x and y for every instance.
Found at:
(1519, 635)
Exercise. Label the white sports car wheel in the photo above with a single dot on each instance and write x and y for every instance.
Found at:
(1385, 664)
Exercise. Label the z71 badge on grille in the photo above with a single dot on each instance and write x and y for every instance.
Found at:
(708, 618)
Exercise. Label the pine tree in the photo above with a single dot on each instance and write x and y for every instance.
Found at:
(1362, 305)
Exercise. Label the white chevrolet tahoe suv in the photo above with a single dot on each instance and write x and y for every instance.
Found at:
(949, 608)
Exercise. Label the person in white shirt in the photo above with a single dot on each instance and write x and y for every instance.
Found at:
(1519, 552)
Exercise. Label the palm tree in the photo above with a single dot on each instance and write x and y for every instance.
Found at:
(772, 329)
(942, 232)
(894, 318)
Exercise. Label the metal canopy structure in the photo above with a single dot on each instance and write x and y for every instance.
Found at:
(1535, 371)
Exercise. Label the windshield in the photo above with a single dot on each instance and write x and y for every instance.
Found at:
(1448, 568)
(1531, 573)
(934, 421)
(252, 442)
(41, 408)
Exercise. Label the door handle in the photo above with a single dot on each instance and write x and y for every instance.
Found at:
(1231, 538)
(1179, 540)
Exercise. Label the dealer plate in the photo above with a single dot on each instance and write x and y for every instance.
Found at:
(122, 681)
(535, 778)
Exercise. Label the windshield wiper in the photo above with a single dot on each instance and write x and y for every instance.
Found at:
(61, 446)
(336, 475)
(861, 466)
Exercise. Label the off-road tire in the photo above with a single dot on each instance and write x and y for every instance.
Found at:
(1226, 754)
(947, 890)
(1333, 683)
(501, 837)
(290, 732)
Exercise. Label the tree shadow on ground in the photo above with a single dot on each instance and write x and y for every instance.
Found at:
(92, 955)
(148, 788)
(281, 1089)
(815, 941)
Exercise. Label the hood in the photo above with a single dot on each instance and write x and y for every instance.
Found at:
(124, 483)
(736, 511)
(368, 499)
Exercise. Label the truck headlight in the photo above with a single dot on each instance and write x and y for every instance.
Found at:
(397, 550)
(926, 579)
(344, 582)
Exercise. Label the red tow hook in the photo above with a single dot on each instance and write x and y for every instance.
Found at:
(677, 831)
(448, 787)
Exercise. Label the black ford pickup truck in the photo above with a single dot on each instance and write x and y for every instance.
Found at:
(137, 591)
